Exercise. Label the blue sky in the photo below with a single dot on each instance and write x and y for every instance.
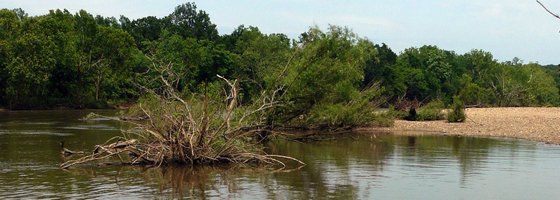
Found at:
(506, 28)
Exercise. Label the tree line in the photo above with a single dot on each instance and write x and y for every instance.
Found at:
(84, 61)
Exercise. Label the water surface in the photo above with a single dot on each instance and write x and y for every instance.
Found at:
(352, 166)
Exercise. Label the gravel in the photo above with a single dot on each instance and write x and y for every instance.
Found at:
(532, 123)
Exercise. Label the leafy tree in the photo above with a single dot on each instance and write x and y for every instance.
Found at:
(114, 48)
(20, 13)
(29, 69)
(325, 75)
(197, 61)
(144, 30)
(472, 93)
(380, 66)
(516, 84)
(9, 31)
(230, 40)
(86, 29)
(431, 73)
(189, 22)
(107, 21)
(554, 71)
(60, 26)
(540, 87)
(478, 64)
(260, 57)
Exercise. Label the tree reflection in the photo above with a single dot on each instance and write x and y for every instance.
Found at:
(335, 168)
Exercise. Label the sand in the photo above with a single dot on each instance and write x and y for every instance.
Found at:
(538, 124)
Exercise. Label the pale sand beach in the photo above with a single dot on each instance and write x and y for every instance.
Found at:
(539, 124)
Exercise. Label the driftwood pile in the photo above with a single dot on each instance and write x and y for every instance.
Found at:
(191, 129)
(103, 152)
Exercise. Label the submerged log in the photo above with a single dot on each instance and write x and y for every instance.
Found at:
(67, 152)
(117, 146)
(103, 152)
(127, 118)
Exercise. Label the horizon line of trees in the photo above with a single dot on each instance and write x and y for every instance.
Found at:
(85, 61)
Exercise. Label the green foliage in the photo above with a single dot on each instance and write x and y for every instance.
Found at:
(31, 64)
(356, 112)
(430, 73)
(431, 111)
(259, 56)
(321, 84)
(380, 66)
(78, 60)
(472, 93)
(189, 22)
(396, 114)
(457, 112)
(60, 58)
(523, 85)
(381, 120)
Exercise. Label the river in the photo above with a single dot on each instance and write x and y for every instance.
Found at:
(351, 166)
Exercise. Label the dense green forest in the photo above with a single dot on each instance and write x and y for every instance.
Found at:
(78, 60)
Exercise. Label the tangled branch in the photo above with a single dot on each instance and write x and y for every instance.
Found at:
(191, 128)
(555, 15)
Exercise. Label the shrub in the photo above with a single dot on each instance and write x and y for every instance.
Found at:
(457, 112)
(396, 114)
(383, 121)
(359, 111)
(191, 128)
(431, 111)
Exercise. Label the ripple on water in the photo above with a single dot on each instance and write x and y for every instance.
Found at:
(40, 123)
(44, 133)
(97, 127)
(103, 119)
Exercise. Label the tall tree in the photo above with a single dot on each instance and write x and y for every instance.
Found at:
(30, 67)
(9, 30)
(114, 50)
(86, 29)
(60, 26)
(189, 22)
(431, 73)
(145, 30)
(326, 71)
(380, 66)
(261, 56)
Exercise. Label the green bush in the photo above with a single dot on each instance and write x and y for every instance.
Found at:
(457, 112)
(360, 110)
(396, 114)
(431, 111)
(381, 120)
(429, 115)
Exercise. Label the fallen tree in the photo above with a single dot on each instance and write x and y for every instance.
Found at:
(319, 88)
(190, 128)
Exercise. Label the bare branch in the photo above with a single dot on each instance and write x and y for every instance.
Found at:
(174, 133)
(555, 15)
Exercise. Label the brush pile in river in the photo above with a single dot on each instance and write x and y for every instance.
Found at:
(194, 130)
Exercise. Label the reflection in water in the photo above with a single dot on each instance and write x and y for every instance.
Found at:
(354, 166)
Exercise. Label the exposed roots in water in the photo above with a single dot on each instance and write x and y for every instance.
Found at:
(192, 129)
(132, 152)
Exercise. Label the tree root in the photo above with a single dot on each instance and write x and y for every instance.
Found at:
(155, 154)
(200, 129)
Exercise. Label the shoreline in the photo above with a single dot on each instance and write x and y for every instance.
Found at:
(541, 124)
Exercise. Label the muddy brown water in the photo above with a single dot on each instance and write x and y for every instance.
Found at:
(352, 166)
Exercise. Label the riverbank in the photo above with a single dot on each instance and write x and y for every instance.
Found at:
(538, 124)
